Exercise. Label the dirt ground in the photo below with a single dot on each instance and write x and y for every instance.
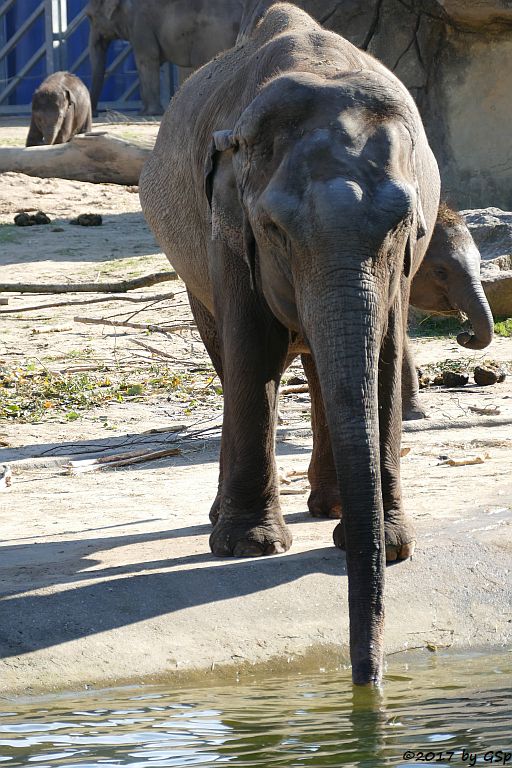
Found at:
(106, 576)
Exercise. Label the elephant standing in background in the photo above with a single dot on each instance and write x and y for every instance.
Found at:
(447, 282)
(293, 189)
(61, 108)
(186, 32)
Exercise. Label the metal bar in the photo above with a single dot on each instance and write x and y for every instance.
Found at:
(48, 37)
(74, 23)
(21, 31)
(117, 61)
(124, 96)
(5, 7)
(74, 66)
(23, 71)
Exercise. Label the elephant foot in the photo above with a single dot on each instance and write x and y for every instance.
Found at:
(215, 510)
(152, 111)
(247, 535)
(325, 502)
(399, 537)
(413, 413)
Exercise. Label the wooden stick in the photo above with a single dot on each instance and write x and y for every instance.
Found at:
(139, 326)
(153, 350)
(294, 389)
(118, 460)
(123, 286)
(134, 299)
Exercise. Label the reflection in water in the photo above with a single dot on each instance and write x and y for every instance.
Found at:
(447, 710)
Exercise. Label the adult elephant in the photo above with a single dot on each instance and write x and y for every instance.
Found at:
(293, 189)
(186, 32)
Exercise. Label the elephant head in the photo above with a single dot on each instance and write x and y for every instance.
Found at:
(327, 179)
(49, 108)
(448, 279)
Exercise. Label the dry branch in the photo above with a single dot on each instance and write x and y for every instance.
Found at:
(122, 286)
(153, 350)
(96, 157)
(294, 389)
(118, 460)
(53, 304)
(138, 326)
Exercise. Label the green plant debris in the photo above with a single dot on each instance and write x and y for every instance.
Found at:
(31, 393)
(503, 326)
(435, 326)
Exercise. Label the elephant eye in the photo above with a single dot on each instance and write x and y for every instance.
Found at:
(440, 273)
(273, 232)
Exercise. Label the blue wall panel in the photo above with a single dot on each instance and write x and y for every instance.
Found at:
(26, 47)
(66, 52)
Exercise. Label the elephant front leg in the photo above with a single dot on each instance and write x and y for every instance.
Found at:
(254, 347)
(35, 135)
(324, 499)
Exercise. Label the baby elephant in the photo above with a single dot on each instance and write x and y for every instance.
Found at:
(448, 282)
(61, 108)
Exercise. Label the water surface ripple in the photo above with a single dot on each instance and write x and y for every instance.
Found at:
(447, 710)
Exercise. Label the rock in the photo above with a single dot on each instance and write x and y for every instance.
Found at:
(489, 373)
(491, 229)
(29, 219)
(88, 220)
(498, 289)
(455, 379)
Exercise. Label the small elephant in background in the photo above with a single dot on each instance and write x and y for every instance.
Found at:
(61, 108)
(448, 282)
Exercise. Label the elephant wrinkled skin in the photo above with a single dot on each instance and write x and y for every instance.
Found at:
(293, 189)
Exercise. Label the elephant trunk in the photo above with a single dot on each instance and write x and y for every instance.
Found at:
(52, 130)
(470, 298)
(342, 326)
(98, 56)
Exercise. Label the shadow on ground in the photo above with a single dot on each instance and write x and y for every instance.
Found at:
(121, 597)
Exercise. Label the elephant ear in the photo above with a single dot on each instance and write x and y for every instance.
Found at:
(418, 229)
(223, 141)
(70, 96)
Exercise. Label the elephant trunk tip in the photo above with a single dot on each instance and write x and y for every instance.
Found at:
(367, 674)
(470, 341)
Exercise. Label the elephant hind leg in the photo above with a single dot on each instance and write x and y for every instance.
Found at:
(324, 499)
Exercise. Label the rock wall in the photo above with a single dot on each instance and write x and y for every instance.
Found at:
(455, 56)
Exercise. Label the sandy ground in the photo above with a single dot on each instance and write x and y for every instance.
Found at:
(107, 577)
